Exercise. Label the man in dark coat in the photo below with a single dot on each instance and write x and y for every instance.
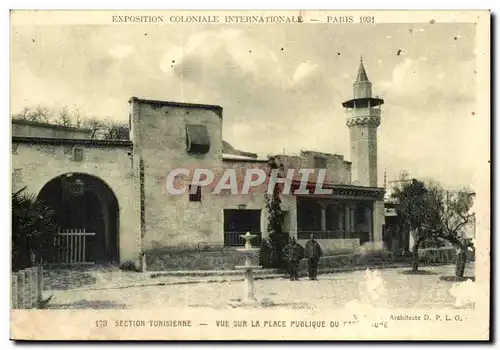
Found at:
(313, 252)
(292, 253)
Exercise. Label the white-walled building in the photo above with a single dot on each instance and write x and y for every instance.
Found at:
(116, 189)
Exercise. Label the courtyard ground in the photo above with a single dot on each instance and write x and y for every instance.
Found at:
(381, 288)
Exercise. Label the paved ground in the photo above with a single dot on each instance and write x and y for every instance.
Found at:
(381, 288)
(111, 277)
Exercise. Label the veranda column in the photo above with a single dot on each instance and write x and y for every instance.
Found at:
(323, 218)
(263, 224)
(378, 222)
(347, 221)
(350, 223)
(369, 222)
(342, 221)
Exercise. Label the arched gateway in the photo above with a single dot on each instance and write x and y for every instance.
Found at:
(87, 215)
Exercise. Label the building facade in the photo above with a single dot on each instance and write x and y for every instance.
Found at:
(117, 189)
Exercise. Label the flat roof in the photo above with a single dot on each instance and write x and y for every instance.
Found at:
(344, 189)
(215, 108)
(83, 142)
(237, 158)
(49, 125)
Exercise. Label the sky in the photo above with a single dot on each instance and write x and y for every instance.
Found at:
(281, 86)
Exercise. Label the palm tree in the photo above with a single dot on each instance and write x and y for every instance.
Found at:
(32, 226)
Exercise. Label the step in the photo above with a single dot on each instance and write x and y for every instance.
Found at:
(203, 273)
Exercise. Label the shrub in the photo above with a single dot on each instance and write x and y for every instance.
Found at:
(129, 266)
(32, 228)
(266, 253)
(370, 247)
(376, 257)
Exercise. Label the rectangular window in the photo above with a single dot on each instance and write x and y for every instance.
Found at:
(78, 154)
(194, 193)
(238, 222)
(319, 162)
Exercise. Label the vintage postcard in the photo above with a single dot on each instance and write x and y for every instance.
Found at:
(250, 175)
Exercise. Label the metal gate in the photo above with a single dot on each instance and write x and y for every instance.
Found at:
(71, 246)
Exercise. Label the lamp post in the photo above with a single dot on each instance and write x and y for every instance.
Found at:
(79, 187)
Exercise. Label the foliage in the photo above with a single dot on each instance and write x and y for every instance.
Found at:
(431, 213)
(273, 206)
(32, 227)
(275, 217)
(412, 210)
(266, 253)
(411, 206)
(453, 212)
(128, 266)
(432, 242)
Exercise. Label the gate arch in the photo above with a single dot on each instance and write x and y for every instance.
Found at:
(85, 202)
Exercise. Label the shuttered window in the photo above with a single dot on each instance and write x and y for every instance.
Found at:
(197, 139)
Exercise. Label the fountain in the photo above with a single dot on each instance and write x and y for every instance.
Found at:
(248, 251)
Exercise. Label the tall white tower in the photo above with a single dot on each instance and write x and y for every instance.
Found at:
(363, 119)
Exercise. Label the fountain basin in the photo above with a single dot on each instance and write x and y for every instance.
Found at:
(247, 250)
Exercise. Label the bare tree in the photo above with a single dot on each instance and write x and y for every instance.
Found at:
(64, 117)
(453, 215)
(77, 118)
(430, 212)
(105, 128)
(94, 125)
(116, 130)
(38, 114)
(22, 115)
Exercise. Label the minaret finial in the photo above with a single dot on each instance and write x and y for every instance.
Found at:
(362, 76)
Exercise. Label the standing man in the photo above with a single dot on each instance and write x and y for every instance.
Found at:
(313, 253)
(292, 253)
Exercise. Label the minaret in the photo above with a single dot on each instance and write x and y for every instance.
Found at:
(363, 118)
